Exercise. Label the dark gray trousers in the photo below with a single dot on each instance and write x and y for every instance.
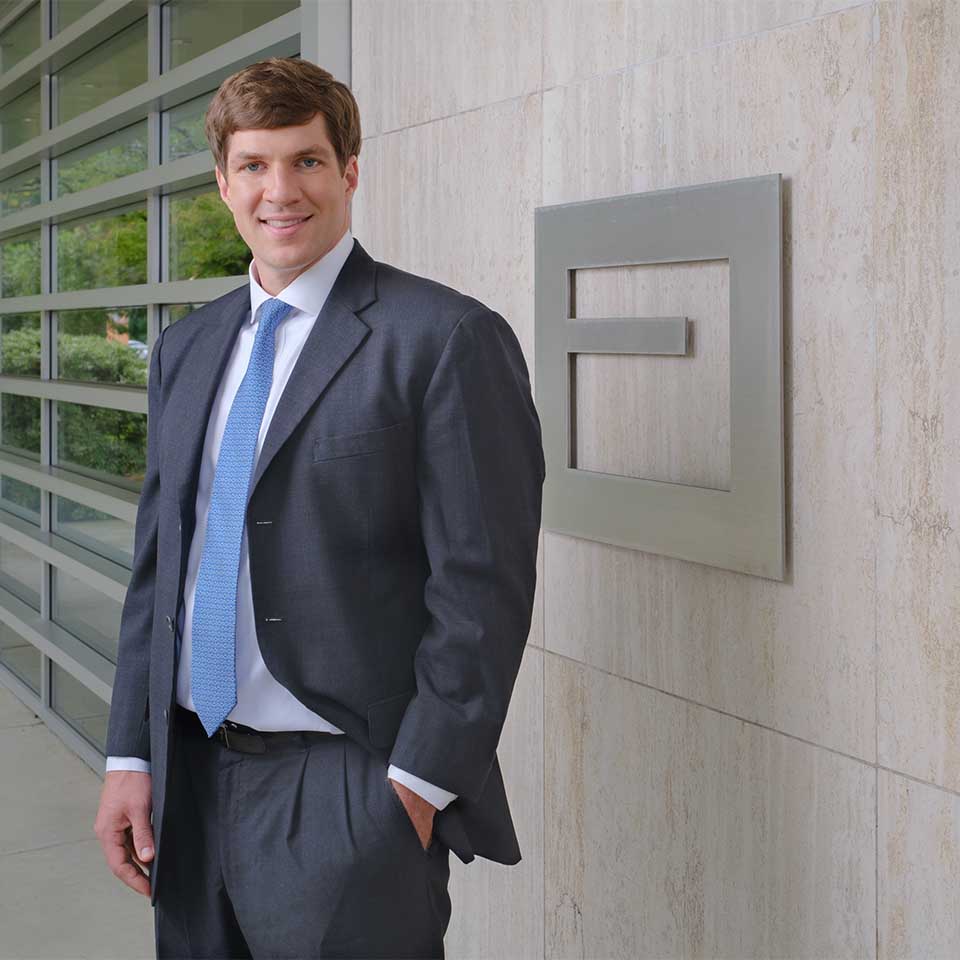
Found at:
(302, 851)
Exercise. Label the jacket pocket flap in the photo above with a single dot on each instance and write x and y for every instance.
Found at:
(384, 716)
(351, 444)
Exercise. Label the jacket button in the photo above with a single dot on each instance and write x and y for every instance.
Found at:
(170, 623)
(164, 713)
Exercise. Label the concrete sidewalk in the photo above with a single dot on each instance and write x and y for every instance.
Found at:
(58, 898)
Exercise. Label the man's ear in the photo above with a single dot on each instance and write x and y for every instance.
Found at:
(223, 185)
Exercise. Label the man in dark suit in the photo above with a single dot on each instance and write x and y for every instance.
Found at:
(334, 573)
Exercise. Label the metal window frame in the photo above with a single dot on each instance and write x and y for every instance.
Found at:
(326, 27)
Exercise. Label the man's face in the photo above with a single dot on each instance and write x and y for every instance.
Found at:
(287, 174)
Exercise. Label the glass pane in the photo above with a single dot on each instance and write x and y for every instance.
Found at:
(20, 265)
(20, 119)
(20, 498)
(20, 191)
(104, 250)
(182, 127)
(102, 533)
(203, 237)
(20, 344)
(109, 69)
(89, 615)
(83, 710)
(20, 573)
(173, 312)
(192, 27)
(20, 39)
(109, 445)
(22, 659)
(66, 12)
(106, 159)
(20, 425)
(103, 345)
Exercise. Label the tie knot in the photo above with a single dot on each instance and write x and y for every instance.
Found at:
(273, 311)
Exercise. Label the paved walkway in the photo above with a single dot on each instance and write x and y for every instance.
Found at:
(58, 898)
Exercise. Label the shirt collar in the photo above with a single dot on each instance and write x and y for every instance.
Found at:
(309, 291)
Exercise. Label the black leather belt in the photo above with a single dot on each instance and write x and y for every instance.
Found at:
(244, 739)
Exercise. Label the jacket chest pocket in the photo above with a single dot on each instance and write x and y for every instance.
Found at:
(359, 444)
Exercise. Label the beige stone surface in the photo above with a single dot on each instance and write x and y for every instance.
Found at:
(423, 59)
(919, 870)
(498, 909)
(797, 656)
(675, 831)
(582, 38)
(917, 237)
(454, 201)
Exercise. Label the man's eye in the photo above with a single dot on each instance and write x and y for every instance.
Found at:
(310, 160)
(253, 163)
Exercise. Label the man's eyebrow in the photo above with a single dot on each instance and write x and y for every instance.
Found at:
(313, 148)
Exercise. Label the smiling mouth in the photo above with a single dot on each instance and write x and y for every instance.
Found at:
(282, 223)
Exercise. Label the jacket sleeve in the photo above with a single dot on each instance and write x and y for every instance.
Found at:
(128, 728)
(480, 472)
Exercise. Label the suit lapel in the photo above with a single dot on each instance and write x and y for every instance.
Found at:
(334, 337)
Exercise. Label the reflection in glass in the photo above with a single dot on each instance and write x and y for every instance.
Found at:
(102, 533)
(192, 27)
(20, 344)
(83, 710)
(20, 657)
(173, 312)
(103, 345)
(65, 12)
(20, 265)
(183, 134)
(20, 573)
(108, 158)
(20, 119)
(89, 615)
(203, 237)
(109, 445)
(22, 499)
(103, 250)
(109, 69)
(20, 191)
(20, 39)
(20, 425)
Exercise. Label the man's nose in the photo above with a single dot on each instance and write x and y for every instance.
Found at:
(281, 186)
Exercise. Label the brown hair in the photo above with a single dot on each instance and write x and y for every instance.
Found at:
(282, 92)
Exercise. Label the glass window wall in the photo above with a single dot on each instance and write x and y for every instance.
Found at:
(109, 445)
(106, 159)
(20, 39)
(114, 67)
(81, 708)
(20, 191)
(99, 532)
(103, 346)
(103, 250)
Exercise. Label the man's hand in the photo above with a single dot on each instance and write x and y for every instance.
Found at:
(419, 811)
(123, 826)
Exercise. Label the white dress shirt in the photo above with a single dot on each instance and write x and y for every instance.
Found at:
(262, 702)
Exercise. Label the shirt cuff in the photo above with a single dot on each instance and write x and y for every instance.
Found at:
(430, 792)
(128, 763)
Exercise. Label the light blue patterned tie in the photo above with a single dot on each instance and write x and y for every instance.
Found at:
(213, 675)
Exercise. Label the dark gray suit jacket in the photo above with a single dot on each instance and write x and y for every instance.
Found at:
(392, 527)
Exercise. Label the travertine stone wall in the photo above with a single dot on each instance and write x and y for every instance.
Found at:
(702, 763)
